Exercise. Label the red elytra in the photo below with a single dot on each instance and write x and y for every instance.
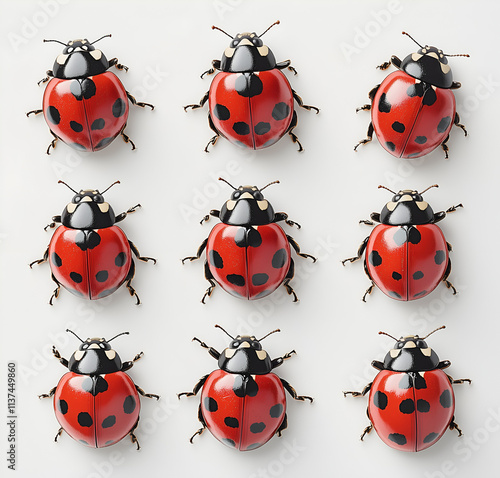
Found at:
(93, 416)
(411, 419)
(243, 422)
(252, 270)
(406, 263)
(86, 114)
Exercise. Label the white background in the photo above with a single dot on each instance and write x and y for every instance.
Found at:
(335, 47)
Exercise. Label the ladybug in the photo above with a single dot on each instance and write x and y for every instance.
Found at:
(406, 255)
(88, 254)
(96, 402)
(243, 403)
(413, 109)
(84, 104)
(250, 101)
(411, 401)
(248, 253)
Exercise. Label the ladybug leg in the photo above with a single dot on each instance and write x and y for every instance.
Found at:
(361, 250)
(210, 278)
(211, 71)
(55, 220)
(123, 215)
(133, 438)
(393, 61)
(454, 426)
(138, 103)
(458, 381)
(118, 66)
(293, 393)
(53, 143)
(288, 278)
(58, 434)
(359, 394)
(453, 209)
(456, 122)
(286, 64)
(213, 212)
(368, 292)
(48, 395)
(294, 244)
(371, 95)
(211, 350)
(198, 105)
(134, 249)
(202, 421)
(299, 101)
(369, 135)
(367, 430)
(126, 138)
(34, 112)
(278, 361)
(292, 135)
(58, 356)
(447, 273)
(196, 388)
(283, 426)
(213, 139)
(42, 260)
(147, 395)
(56, 292)
(283, 216)
(128, 283)
(445, 148)
(130, 363)
(199, 252)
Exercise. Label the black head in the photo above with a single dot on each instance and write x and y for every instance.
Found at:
(247, 206)
(88, 210)
(246, 53)
(245, 355)
(79, 59)
(411, 354)
(407, 207)
(94, 357)
(430, 65)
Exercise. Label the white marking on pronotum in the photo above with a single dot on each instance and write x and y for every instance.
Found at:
(79, 354)
(246, 196)
(230, 204)
(103, 206)
(409, 345)
(422, 205)
(229, 52)
(71, 207)
(229, 352)
(110, 354)
(262, 204)
(394, 352)
(97, 54)
(263, 50)
(61, 59)
(261, 354)
(427, 351)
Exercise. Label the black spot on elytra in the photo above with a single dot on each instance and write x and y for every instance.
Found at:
(56, 260)
(53, 115)
(109, 442)
(108, 422)
(423, 406)
(210, 404)
(120, 259)
(247, 237)
(118, 108)
(245, 385)
(430, 97)
(421, 293)
(400, 236)
(420, 382)
(248, 85)
(407, 406)
(375, 258)
(231, 422)
(75, 277)
(416, 89)
(94, 385)
(215, 259)
(228, 442)
(240, 127)
(129, 404)
(396, 276)
(397, 438)
(421, 139)
(390, 145)
(280, 111)
(262, 128)
(394, 294)
(82, 89)
(279, 259)
(236, 279)
(83, 441)
(87, 239)
(443, 124)
(253, 446)
(260, 279)
(77, 146)
(398, 127)
(430, 437)
(445, 399)
(102, 276)
(414, 235)
(62, 406)
(380, 400)
(84, 419)
(99, 123)
(75, 126)
(439, 257)
(221, 112)
(104, 142)
(406, 382)
(257, 427)
(383, 105)
(276, 410)
(418, 275)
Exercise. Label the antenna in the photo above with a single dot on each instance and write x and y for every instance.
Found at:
(277, 22)
(458, 54)
(385, 187)
(67, 330)
(62, 182)
(433, 186)
(224, 330)
(274, 182)
(388, 335)
(123, 333)
(407, 34)
(435, 330)
(227, 182)
(267, 335)
(116, 182)
(55, 41)
(104, 36)
(221, 30)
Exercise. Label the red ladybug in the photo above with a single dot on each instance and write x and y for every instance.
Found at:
(243, 404)
(88, 254)
(406, 256)
(85, 105)
(411, 402)
(250, 101)
(413, 109)
(248, 255)
(96, 402)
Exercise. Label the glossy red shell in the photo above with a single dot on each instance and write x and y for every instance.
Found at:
(86, 120)
(91, 273)
(244, 423)
(254, 121)
(248, 272)
(404, 126)
(411, 419)
(97, 420)
(406, 271)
